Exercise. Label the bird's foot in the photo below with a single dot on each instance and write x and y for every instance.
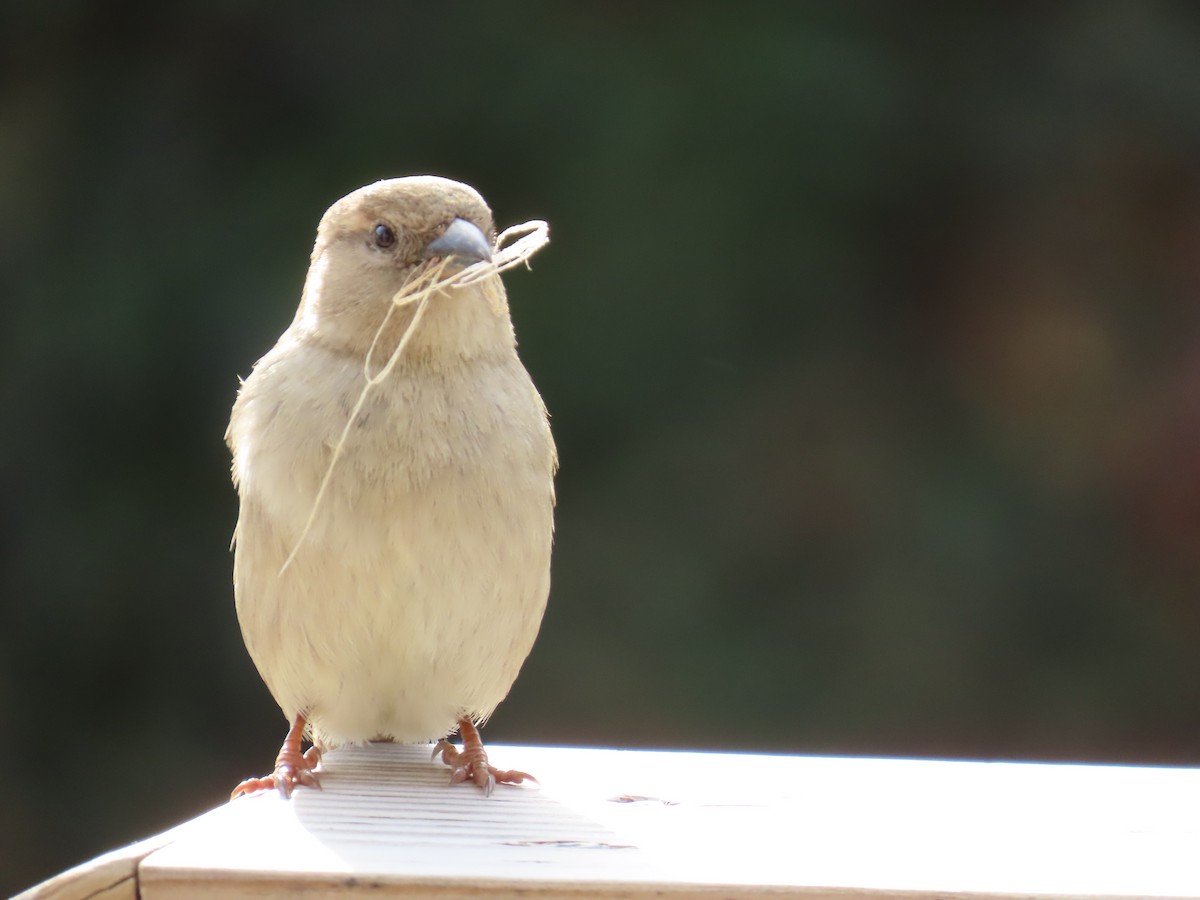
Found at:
(291, 767)
(471, 762)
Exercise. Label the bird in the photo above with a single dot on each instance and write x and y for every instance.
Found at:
(392, 548)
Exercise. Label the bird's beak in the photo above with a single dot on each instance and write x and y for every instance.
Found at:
(462, 243)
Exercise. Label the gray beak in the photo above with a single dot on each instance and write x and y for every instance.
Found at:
(461, 242)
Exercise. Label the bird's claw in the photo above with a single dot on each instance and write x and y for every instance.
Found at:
(292, 768)
(471, 764)
(284, 780)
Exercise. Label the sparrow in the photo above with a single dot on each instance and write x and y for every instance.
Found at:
(392, 549)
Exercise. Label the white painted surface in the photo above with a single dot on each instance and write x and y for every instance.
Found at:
(629, 823)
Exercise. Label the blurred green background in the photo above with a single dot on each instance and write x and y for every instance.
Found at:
(871, 333)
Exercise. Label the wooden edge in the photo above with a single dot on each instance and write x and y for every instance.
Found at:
(181, 884)
(112, 876)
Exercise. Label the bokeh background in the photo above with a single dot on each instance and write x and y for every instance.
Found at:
(871, 334)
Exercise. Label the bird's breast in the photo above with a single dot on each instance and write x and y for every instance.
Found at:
(476, 432)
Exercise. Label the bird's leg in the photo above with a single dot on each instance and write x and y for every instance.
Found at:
(471, 762)
(291, 766)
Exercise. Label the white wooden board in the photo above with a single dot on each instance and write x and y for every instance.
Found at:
(608, 823)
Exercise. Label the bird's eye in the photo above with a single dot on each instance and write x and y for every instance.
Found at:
(384, 236)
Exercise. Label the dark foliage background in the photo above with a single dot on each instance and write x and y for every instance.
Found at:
(871, 334)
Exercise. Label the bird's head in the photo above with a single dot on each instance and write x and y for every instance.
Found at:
(378, 239)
